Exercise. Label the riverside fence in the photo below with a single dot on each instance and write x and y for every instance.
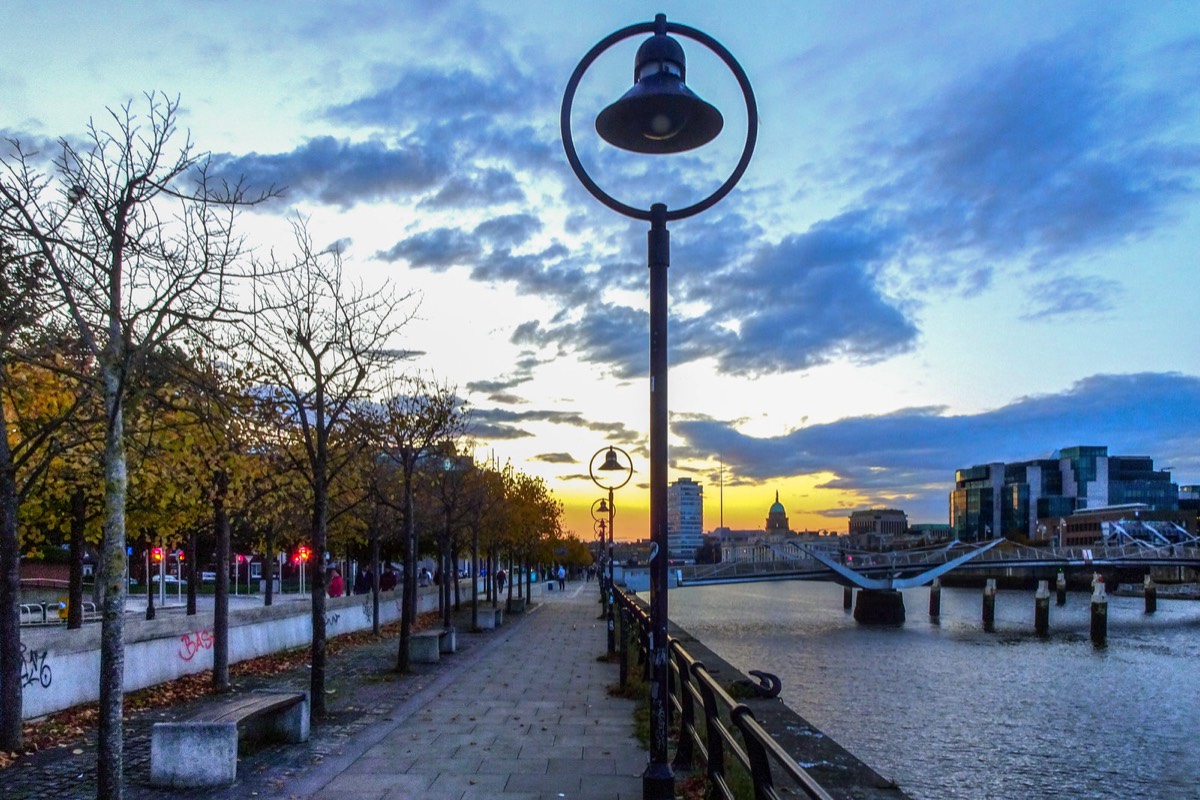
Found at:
(712, 724)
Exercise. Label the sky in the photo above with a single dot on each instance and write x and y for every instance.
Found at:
(968, 232)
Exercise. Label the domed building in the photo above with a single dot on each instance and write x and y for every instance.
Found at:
(777, 521)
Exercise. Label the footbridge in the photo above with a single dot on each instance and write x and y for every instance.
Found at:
(1123, 546)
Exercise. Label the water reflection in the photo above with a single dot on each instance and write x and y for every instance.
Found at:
(952, 712)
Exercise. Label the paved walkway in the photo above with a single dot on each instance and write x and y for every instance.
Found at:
(520, 712)
(524, 717)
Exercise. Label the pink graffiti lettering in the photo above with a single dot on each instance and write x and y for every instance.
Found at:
(195, 642)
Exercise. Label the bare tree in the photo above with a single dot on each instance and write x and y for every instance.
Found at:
(318, 344)
(140, 242)
(419, 419)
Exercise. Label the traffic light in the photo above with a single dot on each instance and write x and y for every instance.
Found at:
(302, 553)
(179, 555)
(156, 554)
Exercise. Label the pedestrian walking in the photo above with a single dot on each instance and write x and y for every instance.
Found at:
(562, 577)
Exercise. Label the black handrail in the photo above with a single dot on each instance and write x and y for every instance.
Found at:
(692, 685)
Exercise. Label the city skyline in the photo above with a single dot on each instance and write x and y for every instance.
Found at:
(966, 234)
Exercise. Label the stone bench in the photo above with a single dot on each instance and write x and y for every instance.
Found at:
(201, 750)
(490, 618)
(516, 605)
(427, 647)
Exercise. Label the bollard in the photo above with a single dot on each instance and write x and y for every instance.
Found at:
(1060, 589)
(1041, 609)
(1099, 613)
(847, 598)
(1150, 592)
(935, 598)
(989, 606)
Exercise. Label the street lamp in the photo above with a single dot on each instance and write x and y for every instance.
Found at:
(659, 115)
(602, 513)
(615, 473)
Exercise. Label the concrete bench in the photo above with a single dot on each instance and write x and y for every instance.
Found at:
(490, 618)
(201, 751)
(427, 647)
(516, 605)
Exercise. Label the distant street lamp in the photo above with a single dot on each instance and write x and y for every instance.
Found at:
(602, 513)
(616, 472)
(659, 115)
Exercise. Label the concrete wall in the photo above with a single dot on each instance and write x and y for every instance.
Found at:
(61, 668)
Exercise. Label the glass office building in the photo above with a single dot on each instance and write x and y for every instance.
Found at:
(1008, 500)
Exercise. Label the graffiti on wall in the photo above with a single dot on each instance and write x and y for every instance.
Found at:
(34, 669)
(331, 619)
(192, 643)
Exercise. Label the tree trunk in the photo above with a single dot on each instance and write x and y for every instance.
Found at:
(375, 581)
(408, 612)
(110, 755)
(271, 563)
(320, 522)
(474, 579)
(220, 674)
(193, 573)
(75, 580)
(10, 593)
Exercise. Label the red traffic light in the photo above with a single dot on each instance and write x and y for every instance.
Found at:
(157, 554)
(302, 553)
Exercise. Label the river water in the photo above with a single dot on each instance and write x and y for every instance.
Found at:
(949, 711)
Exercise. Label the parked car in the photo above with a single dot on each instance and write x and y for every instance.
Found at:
(169, 580)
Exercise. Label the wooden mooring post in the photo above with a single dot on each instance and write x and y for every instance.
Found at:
(1099, 612)
(989, 606)
(935, 598)
(1041, 609)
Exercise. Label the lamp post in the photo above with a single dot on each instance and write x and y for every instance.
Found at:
(615, 474)
(659, 115)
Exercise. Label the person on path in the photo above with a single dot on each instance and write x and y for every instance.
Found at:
(562, 577)
(335, 584)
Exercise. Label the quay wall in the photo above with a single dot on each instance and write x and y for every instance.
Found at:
(60, 668)
(835, 768)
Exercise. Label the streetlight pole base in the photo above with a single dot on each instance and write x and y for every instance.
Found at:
(658, 782)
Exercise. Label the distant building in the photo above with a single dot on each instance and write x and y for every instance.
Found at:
(685, 519)
(877, 527)
(777, 520)
(1008, 500)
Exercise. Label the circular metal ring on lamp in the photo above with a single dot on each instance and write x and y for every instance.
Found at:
(734, 67)
(603, 515)
(626, 471)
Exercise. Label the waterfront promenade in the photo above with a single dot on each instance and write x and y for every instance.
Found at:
(521, 712)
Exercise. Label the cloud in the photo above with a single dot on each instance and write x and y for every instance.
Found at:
(1071, 294)
(1051, 153)
(556, 458)
(787, 306)
(502, 419)
(480, 188)
(910, 455)
(339, 172)
(437, 249)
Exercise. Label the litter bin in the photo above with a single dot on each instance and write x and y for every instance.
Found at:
(550, 586)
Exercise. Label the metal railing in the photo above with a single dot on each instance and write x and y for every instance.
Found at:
(725, 732)
(54, 613)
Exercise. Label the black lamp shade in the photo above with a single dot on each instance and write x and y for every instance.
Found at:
(611, 462)
(660, 114)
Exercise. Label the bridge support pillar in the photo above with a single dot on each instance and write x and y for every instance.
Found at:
(847, 597)
(989, 606)
(1099, 613)
(935, 598)
(1041, 609)
(1060, 590)
(879, 607)
(1150, 594)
